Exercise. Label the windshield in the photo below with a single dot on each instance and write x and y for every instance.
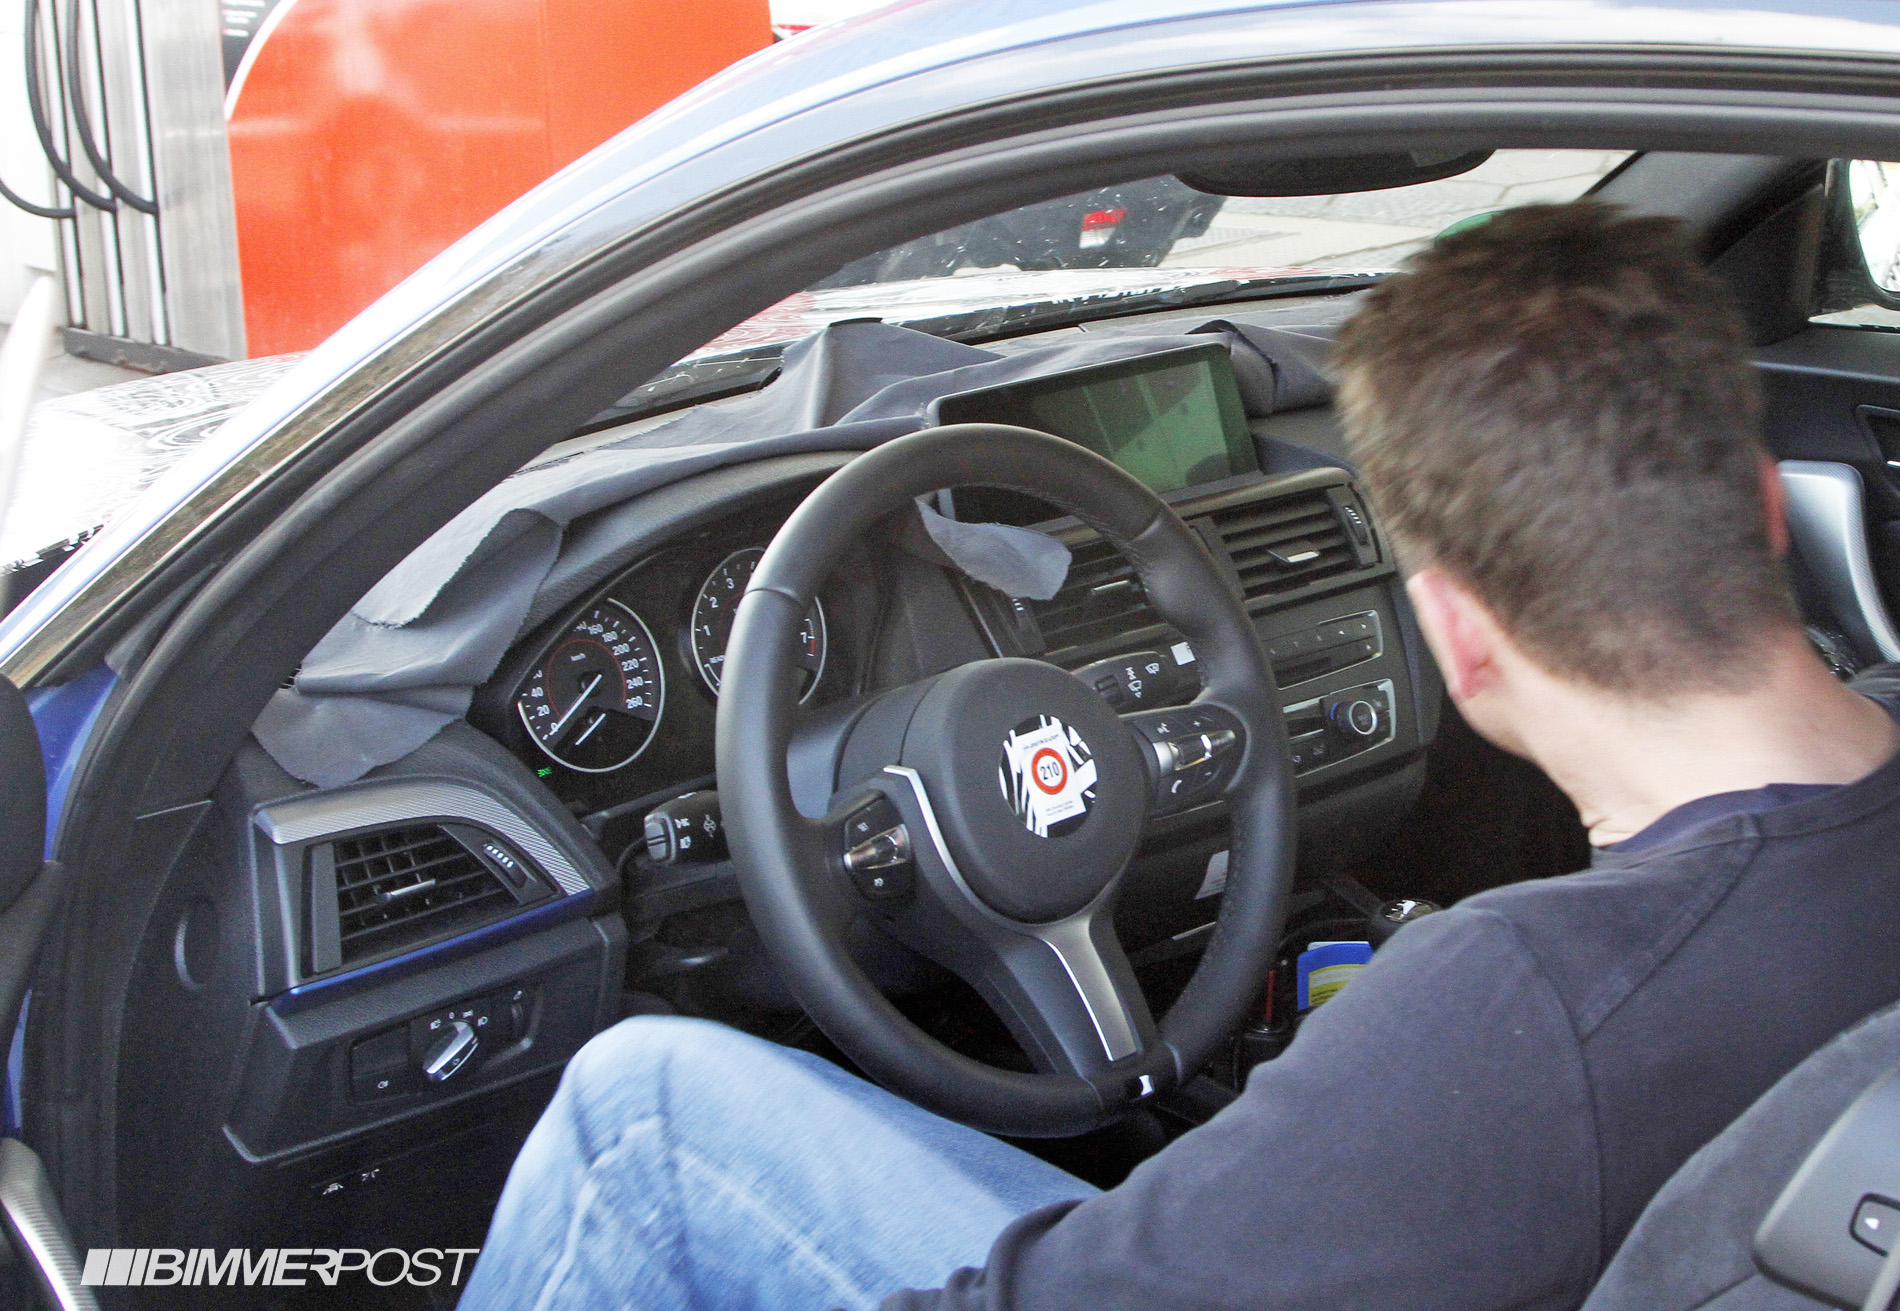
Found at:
(1082, 255)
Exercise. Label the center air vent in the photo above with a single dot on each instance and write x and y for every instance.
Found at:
(1102, 598)
(391, 889)
(1279, 545)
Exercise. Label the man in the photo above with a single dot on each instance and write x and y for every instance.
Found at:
(1556, 419)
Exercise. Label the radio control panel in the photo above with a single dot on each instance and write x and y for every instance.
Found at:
(1340, 725)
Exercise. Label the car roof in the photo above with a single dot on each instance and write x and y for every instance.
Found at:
(903, 64)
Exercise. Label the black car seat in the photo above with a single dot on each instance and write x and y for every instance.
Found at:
(22, 839)
(1692, 1248)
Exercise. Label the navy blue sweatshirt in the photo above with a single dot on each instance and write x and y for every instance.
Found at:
(1477, 1121)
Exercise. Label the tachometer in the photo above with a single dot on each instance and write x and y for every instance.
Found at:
(713, 612)
(594, 700)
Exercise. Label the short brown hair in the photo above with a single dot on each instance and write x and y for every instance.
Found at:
(1557, 407)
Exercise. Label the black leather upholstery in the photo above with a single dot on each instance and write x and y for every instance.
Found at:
(22, 796)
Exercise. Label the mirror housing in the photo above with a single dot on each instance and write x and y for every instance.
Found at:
(1874, 194)
(1328, 175)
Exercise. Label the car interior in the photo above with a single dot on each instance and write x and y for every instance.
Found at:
(332, 1013)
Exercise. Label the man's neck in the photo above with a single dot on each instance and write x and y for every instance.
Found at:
(1627, 763)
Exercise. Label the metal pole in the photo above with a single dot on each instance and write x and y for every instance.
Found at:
(21, 357)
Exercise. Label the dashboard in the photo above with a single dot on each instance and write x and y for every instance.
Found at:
(614, 698)
(440, 936)
(611, 702)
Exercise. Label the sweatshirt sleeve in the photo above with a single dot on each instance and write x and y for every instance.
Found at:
(1426, 1142)
(1881, 682)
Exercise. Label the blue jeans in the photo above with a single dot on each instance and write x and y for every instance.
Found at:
(685, 1164)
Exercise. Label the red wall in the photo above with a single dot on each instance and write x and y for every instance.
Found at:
(369, 134)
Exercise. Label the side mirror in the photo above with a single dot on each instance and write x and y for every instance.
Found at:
(1874, 195)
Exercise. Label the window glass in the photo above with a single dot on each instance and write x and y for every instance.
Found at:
(1082, 254)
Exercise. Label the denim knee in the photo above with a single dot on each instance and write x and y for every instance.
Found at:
(631, 1064)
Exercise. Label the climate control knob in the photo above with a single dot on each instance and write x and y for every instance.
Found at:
(1358, 718)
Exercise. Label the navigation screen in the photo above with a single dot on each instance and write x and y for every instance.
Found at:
(1172, 419)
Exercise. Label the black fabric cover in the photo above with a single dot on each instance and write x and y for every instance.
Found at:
(407, 657)
(22, 796)
(1692, 1247)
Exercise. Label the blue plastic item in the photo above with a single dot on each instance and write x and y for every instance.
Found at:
(1326, 967)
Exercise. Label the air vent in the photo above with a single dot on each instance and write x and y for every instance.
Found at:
(1279, 545)
(1101, 599)
(402, 887)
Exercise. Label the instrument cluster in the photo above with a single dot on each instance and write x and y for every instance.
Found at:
(616, 696)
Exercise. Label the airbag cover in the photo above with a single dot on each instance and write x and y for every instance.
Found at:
(1039, 788)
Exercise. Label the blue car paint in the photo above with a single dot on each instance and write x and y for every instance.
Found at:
(11, 1106)
(64, 716)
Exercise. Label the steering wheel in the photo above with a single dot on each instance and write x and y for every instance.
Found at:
(985, 817)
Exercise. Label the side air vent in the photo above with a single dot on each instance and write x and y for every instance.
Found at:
(388, 890)
(1279, 545)
(1101, 599)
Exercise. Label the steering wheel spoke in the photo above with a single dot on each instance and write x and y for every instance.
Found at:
(1064, 988)
(1072, 997)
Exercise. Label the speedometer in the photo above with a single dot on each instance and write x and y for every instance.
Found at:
(713, 612)
(594, 700)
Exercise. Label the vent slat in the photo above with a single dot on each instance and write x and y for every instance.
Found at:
(1250, 537)
(1248, 519)
(1079, 614)
(1285, 544)
(405, 886)
(410, 922)
(1304, 530)
(361, 878)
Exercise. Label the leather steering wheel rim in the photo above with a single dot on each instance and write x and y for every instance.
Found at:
(797, 894)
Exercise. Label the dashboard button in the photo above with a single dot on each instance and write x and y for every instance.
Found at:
(1359, 718)
(1876, 1221)
(380, 1068)
(1310, 752)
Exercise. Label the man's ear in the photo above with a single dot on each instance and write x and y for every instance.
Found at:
(1774, 502)
(1459, 629)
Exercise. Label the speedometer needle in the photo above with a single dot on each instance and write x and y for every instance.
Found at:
(579, 701)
